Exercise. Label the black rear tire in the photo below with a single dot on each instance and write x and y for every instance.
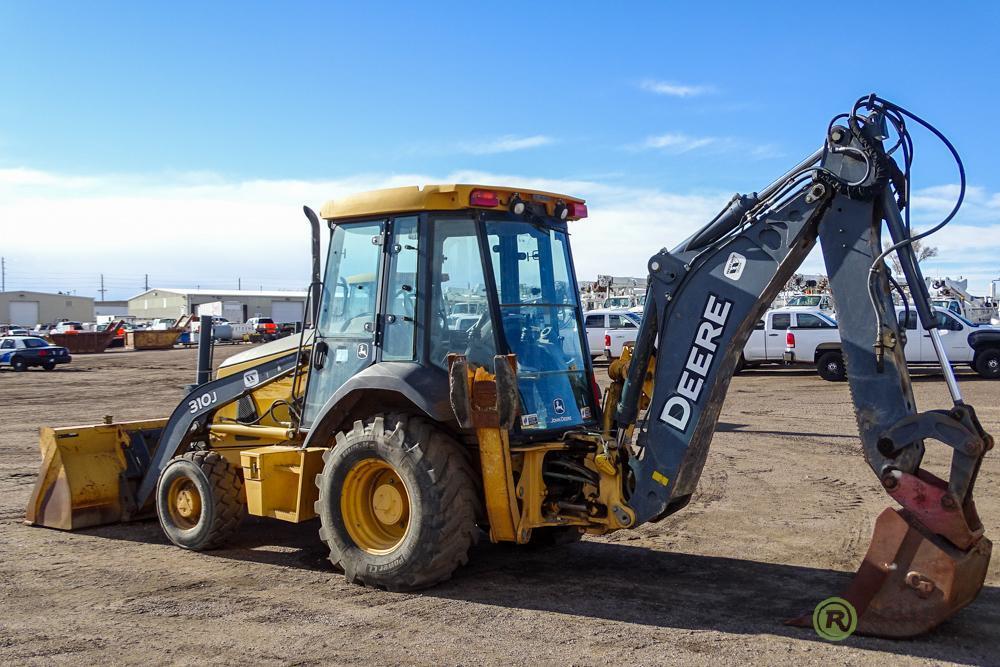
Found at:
(441, 499)
(19, 364)
(49, 366)
(830, 366)
(218, 489)
(987, 364)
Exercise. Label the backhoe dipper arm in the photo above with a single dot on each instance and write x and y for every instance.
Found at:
(706, 295)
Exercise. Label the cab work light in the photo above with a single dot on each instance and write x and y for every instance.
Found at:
(483, 198)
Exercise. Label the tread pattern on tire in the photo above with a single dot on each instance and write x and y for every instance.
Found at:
(453, 491)
(227, 487)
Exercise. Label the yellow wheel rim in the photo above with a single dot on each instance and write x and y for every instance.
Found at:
(184, 503)
(375, 506)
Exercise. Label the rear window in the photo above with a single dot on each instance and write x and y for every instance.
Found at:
(595, 321)
(265, 320)
(35, 342)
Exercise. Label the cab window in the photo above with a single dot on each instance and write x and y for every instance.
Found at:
(620, 322)
(595, 321)
(946, 322)
(401, 310)
(807, 321)
(781, 321)
(458, 280)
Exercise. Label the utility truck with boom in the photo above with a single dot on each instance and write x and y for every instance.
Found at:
(408, 438)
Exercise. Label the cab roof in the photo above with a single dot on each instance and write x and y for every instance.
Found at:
(451, 197)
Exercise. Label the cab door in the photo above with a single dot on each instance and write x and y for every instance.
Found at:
(954, 337)
(774, 338)
(350, 302)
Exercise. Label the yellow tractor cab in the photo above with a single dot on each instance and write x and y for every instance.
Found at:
(445, 388)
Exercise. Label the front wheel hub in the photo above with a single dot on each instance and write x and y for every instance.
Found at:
(375, 506)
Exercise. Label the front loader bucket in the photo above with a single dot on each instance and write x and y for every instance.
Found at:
(911, 580)
(88, 473)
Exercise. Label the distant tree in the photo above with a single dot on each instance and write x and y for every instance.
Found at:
(919, 249)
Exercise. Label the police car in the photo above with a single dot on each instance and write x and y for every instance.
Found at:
(22, 352)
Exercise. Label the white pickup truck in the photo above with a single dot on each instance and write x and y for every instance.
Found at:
(964, 342)
(608, 329)
(766, 344)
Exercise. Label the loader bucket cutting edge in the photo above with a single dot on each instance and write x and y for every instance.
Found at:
(910, 580)
(83, 469)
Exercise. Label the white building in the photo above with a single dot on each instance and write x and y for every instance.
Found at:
(235, 305)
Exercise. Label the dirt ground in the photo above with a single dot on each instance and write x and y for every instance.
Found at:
(782, 517)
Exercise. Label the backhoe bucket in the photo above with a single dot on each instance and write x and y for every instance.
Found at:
(911, 580)
(89, 473)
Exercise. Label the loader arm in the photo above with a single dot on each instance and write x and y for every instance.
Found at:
(703, 300)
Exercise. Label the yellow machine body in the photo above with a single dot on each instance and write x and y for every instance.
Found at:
(84, 468)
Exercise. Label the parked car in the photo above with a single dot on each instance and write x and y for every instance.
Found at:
(264, 327)
(23, 352)
(599, 322)
(964, 342)
(766, 344)
(462, 322)
(21, 332)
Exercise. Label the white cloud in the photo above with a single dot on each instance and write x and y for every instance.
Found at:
(194, 228)
(674, 89)
(505, 144)
(678, 143)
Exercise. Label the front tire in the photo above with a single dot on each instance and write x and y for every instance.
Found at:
(987, 364)
(397, 503)
(831, 367)
(200, 500)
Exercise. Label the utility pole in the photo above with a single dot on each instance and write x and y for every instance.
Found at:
(239, 284)
(146, 283)
(102, 290)
(3, 274)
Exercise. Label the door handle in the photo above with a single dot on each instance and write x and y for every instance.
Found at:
(772, 334)
(319, 354)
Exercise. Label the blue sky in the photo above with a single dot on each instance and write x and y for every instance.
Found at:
(131, 130)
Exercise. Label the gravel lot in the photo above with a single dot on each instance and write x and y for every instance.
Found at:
(782, 517)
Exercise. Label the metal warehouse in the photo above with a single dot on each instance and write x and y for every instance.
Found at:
(27, 309)
(235, 305)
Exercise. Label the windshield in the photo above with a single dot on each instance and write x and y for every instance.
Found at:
(538, 310)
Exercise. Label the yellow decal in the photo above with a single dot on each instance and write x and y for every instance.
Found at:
(661, 478)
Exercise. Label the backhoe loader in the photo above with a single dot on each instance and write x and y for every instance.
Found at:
(409, 434)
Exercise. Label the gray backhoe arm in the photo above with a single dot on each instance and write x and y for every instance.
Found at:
(706, 295)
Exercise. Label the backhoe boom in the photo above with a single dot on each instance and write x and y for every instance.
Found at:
(704, 299)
